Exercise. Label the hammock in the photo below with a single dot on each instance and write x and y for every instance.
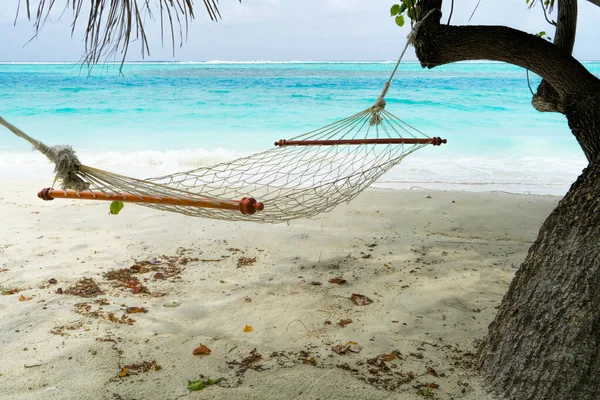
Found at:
(299, 178)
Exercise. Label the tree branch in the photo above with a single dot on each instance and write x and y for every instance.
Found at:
(596, 2)
(437, 44)
(547, 99)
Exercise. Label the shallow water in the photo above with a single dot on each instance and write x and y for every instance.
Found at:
(164, 117)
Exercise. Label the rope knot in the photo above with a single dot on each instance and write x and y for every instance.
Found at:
(67, 167)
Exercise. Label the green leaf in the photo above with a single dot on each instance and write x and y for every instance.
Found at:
(194, 386)
(410, 13)
(395, 9)
(400, 20)
(403, 8)
(116, 207)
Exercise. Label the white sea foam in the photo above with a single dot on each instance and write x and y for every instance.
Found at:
(540, 175)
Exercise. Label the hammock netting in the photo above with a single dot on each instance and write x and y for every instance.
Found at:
(299, 178)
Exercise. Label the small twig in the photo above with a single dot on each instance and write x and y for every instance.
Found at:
(529, 83)
(553, 23)
(297, 320)
(451, 11)
(473, 13)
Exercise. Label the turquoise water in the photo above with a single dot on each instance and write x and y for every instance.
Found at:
(157, 114)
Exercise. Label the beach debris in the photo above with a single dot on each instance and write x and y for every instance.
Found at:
(305, 357)
(337, 281)
(249, 362)
(351, 346)
(354, 347)
(32, 365)
(344, 322)
(6, 291)
(201, 383)
(372, 245)
(316, 283)
(248, 300)
(103, 301)
(248, 328)
(339, 349)
(424, 388)
(360, 300)
(86, 287)
(366, 256)
(135, 369)
(136, 310)
(116, 207)
(431, 371)
(234, 250)
(86, 310)
(59, 290)
(327, 322)
(60, 330)
(163, 268)
(52, 281)
(172, 304)
(201, 350)
(245, 261)
(387, 357)
(24, 298)
(124, 277)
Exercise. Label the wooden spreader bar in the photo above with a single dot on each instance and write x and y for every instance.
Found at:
(436, 141)
(247, 205)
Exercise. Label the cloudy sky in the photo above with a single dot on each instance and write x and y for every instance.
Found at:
(339, 30)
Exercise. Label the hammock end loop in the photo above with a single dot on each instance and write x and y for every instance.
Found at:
(249, 206)
(44, 194)
(280, 143)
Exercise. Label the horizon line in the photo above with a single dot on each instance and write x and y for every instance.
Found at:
(253, 62)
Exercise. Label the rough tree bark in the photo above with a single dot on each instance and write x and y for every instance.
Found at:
(545, 341)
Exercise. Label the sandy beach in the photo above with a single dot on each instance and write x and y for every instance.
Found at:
(111, 307)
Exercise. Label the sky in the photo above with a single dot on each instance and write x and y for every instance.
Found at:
(284, 30)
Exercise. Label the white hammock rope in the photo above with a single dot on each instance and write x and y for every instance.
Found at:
(301, 177)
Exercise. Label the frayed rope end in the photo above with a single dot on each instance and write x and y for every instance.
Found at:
(67, 167)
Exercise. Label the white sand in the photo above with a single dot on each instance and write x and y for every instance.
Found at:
(440, 267)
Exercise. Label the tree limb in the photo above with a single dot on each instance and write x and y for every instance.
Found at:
(596, 2)
(547, 99)
(437, 44)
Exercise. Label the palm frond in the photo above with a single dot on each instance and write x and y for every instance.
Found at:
(112, 25)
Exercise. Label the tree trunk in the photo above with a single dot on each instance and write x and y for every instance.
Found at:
(544, 344)
(545, 341)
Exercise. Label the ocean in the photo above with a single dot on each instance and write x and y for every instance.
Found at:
(158, 118)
